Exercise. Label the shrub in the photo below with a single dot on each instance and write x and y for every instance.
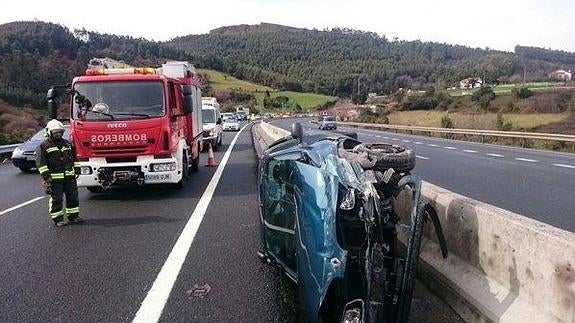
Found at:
(484, 96)
(522, 93)
(446, 122)
(502, 124)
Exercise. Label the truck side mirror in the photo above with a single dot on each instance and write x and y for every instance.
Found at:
(52, 105)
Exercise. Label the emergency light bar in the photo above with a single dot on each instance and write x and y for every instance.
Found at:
(113, 71)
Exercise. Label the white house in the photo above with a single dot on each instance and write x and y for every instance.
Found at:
(471, 83)
(561, 75)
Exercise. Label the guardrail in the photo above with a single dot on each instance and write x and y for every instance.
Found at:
(474, 132)
(8, 148)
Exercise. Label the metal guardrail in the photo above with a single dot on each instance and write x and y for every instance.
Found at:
(8, 148)
(492, 133)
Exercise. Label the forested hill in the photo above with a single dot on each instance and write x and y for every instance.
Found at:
(331, 62)
(35, 55)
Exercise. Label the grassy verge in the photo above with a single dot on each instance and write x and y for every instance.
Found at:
(221, 81)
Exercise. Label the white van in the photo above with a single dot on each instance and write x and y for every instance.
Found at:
(212, 122)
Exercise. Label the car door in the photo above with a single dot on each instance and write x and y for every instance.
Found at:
(278, 212)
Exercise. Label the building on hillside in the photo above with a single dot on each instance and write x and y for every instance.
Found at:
(470, 83)
(561, 75)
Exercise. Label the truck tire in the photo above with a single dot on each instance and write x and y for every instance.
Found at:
(401, 159)
(196, 161)
(185, 171)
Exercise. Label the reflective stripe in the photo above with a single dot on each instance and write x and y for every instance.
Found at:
(65, 148)
(43, 169)
(76, 164)
(56, 214)
(57, 175)
(70, 173)
(52, 149)
(73, 210)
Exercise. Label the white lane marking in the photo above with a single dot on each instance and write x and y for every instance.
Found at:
(527, 160)
(406, 140)
(378, 136)
(421, 157)
(432, 145)
(417, 142)
(495, 155)
(450, 148)
(153, 305)
(563, 165)
(470, 151)
(22, 204)
(394, 139)
(385, 137)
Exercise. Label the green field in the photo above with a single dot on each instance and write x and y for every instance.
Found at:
(221, 81)
(473, 121)
(506, 88)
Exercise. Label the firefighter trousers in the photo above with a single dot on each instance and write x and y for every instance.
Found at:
(68, 187)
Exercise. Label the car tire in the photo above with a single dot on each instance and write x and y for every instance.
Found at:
(24, 169)
(95, 189)
(401, 159)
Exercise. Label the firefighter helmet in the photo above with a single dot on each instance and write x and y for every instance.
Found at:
(54, 125)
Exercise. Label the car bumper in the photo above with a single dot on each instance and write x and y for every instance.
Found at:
(24, 162)
(232, 128)
(139, 172)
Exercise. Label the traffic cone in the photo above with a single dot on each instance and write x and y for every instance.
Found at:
(211, 158)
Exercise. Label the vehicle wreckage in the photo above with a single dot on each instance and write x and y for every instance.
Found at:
(328, 221)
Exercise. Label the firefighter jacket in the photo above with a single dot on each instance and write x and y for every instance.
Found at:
(57, 160)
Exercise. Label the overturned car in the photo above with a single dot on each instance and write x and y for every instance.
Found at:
(328, 220)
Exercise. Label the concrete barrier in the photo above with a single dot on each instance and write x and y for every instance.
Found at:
(502, 267)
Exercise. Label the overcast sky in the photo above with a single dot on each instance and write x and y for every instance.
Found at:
(498, 24)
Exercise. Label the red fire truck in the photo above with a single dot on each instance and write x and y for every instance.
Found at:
(134, 126)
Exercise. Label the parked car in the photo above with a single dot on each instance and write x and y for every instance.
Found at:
(24, 156)
(327, 123)
(231, 124)
(328, 219)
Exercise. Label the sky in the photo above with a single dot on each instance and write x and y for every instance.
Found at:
(497, 24)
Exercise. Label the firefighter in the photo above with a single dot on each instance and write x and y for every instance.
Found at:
(58, 166)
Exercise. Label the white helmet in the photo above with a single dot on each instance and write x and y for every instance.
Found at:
(54, 125)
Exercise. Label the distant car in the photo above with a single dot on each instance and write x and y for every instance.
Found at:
(24, 156)
(328, 219)
(227, 115)
(327, 123)
(231, 124)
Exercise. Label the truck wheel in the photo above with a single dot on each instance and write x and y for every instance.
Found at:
(401, 159)
(185, 172)
(196, 161)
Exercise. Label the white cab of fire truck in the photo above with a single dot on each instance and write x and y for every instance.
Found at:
(212, 122)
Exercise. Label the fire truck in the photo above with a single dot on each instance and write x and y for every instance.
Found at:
(134, 126)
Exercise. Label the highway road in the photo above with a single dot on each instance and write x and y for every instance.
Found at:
(537, 184)
(103, 269)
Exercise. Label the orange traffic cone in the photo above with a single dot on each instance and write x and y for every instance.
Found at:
(211, 158)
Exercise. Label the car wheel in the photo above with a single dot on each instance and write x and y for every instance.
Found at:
(385, 156)
(24, 169)
(95, 189)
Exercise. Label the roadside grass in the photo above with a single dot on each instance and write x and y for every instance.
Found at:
(487, 121)
(506, 88)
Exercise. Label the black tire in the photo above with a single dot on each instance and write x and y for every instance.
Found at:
(24, 169)
(196, 161)
(401, 159)
(95, 189)
(185, 172)
(411, 260)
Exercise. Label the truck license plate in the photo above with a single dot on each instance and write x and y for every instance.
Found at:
(157, 177)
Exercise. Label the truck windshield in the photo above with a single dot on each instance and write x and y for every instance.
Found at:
(119, 100)
(208, 116)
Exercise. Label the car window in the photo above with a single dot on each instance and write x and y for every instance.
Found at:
(208, 116)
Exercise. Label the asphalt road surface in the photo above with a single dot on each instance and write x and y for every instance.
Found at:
(534, 183)
(103, 269)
